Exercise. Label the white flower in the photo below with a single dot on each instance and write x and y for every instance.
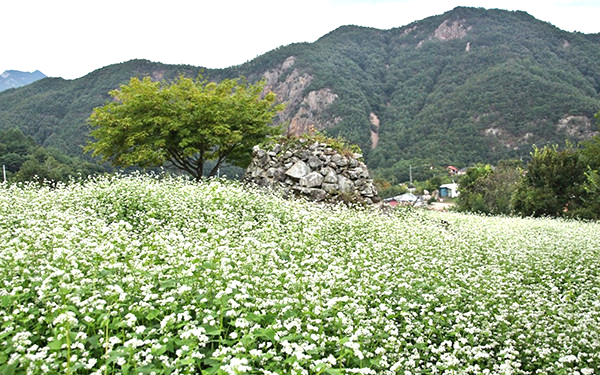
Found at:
(130, 319)
(236, 366)
(66, 317)
(568, 358)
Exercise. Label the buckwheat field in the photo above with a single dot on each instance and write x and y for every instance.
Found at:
(160, 275)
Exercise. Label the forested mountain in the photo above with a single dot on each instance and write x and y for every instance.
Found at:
(14, 78)
(471, 85)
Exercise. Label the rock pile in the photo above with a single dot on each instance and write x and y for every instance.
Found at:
(314, 170)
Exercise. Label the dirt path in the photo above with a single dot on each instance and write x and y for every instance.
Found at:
(440, 206)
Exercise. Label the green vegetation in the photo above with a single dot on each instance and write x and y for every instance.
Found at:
(556, 182)
(130, 275)
(24, 160)
(186, 123)
(489, 190)
(437, 103)
(553, 185)
(54, 111)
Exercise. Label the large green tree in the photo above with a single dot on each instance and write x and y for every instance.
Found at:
(554, 183)
(187, 123)
(590, 154)
(489, 190)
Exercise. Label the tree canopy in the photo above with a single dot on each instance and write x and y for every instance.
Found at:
(186, 123)
(25, 160)
(489, 190)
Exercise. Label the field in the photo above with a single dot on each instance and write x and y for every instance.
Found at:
(159, 275)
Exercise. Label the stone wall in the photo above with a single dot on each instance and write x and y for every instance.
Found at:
(314, 170)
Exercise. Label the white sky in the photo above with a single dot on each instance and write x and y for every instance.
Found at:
(70, 38)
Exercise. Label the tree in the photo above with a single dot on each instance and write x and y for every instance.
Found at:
(187, 123)
(590, 154)
(553, 185)
(471, 189)
(489, 190)
(590, 149)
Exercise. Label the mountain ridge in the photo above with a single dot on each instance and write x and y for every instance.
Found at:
(470, 85)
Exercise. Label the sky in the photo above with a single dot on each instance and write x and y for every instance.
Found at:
(70, 38)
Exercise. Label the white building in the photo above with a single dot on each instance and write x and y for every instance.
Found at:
(449, 190)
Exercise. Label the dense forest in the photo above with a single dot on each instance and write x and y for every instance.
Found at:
(465, 87)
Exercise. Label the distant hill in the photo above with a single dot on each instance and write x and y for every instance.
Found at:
(11, 79)
(54, 110)
(471, 85)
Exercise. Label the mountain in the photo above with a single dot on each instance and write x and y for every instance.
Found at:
(54, 110)
(470, 85)
(13, 78)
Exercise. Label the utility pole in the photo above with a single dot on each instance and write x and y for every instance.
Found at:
(410, 174)
(4, 171)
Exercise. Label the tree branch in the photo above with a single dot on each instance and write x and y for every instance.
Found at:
(222, 156)
(180, 162)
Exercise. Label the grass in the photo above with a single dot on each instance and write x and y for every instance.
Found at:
(142, 275)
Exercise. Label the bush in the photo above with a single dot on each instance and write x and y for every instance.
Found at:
(553, 184)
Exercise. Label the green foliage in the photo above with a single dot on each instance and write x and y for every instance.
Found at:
(387, 190)
(556, 183)
(471, 193)
(54, 111)
(24, 160)
(186, 123)
(438, 104)
(14, 148)
(590, 209)
(590, 155)
(590, 152)
(553, 185)
(489, 190)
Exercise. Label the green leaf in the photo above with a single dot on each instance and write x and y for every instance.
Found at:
(161, 350)
(55, 345)
(113, 356)
(187, 361)
(8, 369)
(93, 340)
(7, 301)
(148, 369)
(268, 334)
(214, 369)
(258, 318)
(212, 330)
(169, 284)
(152, 314)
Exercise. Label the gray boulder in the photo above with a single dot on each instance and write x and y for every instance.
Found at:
(311, 180)
(298, 170)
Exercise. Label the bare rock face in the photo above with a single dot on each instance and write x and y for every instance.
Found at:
(579, 127)
(451, 30)
(311, 110)
(313, 170)
(304, 110)
(374, 130)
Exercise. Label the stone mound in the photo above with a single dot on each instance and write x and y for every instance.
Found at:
(314, 170)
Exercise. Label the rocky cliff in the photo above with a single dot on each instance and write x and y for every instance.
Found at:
(314, 170)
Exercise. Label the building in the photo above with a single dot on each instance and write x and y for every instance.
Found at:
(403, 199)
(449, 190)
